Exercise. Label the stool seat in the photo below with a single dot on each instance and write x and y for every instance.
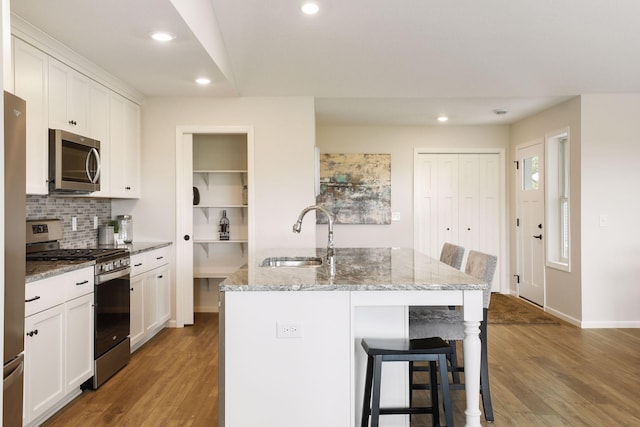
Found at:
(433, 350)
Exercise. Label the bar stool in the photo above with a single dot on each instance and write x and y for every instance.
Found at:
(434, 350)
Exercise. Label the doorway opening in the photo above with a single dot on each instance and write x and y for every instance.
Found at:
(213, 181)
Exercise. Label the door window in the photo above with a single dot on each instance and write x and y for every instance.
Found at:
(530, 173)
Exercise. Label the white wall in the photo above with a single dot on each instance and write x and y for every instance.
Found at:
(563, 289)
(400, 142)
(610, 267)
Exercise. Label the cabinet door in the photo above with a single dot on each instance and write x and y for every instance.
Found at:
(150, 302)
(79, 344)
(98, 128)
(125, 147)
(31, 84)
(44, 372)
(137, 310)
(68, 98)
(163, 283)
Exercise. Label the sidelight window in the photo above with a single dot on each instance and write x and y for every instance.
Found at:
(557, 200)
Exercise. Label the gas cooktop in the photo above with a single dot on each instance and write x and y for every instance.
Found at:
(76, 254)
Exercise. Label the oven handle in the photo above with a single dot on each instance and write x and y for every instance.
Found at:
(110, 276)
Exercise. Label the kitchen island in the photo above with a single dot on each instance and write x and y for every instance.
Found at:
(290, 351)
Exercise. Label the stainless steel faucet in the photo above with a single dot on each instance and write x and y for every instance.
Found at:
(330, 247)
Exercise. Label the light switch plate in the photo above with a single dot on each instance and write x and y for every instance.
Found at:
(395, 216)
(604, 220)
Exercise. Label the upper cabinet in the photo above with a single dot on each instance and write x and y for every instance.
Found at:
(68, 99)
(60, 97)
(124, 119)
(31, 78)
(98, 128)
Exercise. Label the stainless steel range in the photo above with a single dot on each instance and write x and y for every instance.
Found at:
(111, 297)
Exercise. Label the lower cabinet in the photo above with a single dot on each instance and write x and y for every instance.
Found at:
(79, 345)
(58, 344)
(44, 367)
(150, 297)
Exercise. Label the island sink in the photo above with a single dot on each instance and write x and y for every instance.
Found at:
(291, 262)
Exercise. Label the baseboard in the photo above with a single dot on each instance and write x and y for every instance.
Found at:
(627, 324)
(562, 316)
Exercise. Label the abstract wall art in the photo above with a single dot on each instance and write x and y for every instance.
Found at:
(355, 188)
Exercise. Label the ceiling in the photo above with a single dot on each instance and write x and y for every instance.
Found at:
(383, 62)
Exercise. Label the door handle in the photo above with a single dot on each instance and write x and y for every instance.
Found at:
(539, 236)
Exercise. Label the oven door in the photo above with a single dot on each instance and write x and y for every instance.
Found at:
(112, 299)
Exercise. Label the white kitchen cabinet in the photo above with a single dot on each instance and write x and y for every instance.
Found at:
(58, 341)
(163, 283)
(79, 336)
(136, 328)
(98, 128)
(31, 83)
(150, 295)
(44, 367)
(150, 302)
(124, 126)
(68, 98)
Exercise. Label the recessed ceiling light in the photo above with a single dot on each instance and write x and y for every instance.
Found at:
(162, 36)
(442, 118)
(203, 81)
(310, 8)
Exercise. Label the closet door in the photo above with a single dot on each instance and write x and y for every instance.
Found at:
(426, 201)
(457, 201)
(469, 201)
(448, 199)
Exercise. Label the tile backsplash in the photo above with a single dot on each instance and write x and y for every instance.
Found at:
(63, 208)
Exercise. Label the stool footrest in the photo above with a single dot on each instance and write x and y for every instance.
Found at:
(412, 410)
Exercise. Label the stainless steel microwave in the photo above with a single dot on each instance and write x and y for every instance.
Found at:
(74, 163)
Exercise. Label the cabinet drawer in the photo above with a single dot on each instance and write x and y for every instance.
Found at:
(139, 264)
(158, 257)
(79, 283)
(43, 294)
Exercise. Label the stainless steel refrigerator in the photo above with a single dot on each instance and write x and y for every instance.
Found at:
(14, 257)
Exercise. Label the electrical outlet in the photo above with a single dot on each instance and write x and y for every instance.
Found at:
(395, 216)
(289, 330)
(74, 223)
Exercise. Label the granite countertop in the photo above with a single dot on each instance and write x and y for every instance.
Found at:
(357, 269)
(36, 270)
(140, 247)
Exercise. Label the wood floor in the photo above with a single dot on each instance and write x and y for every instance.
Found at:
(541, 375)
(171, 381)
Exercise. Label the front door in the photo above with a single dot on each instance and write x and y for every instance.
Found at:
(530, 230)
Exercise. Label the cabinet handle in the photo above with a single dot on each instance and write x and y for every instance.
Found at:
(131, 289)
(186, 237)
(539, 236)
(160, 277)
(32, 299)
(73, 122)
(127, 188)
(32, 333)
(159, 258)
(82, 283)
(137, 265)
